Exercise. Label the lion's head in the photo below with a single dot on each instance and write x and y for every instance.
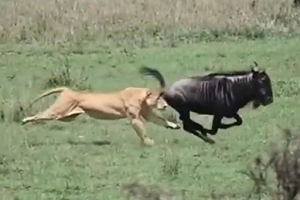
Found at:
(154, 99)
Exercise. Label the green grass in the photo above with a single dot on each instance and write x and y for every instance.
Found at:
(54, 160)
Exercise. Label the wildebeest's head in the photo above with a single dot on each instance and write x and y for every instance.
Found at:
(263, 86)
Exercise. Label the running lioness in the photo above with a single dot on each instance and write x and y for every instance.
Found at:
(132, 103)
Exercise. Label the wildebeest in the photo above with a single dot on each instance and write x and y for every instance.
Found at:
(220, 94)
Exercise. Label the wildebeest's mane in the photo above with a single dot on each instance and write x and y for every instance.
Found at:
(224, 74)
(229, 73)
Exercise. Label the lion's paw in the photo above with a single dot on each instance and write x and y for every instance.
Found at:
(148, 142)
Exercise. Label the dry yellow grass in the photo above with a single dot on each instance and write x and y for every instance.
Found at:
(64, 20)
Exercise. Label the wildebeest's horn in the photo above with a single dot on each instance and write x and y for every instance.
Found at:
(256, 68)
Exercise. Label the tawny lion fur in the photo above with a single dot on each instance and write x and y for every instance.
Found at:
(132, 103)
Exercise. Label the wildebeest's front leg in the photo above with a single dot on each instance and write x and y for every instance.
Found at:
(192, 127)
(217, 123)
(238, 122)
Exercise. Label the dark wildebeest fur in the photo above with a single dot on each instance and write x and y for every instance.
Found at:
(219, 94)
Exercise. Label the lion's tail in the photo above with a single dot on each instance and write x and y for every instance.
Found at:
(49, 92)
(154, 73)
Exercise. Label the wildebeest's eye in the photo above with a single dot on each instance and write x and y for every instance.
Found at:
(263, 79)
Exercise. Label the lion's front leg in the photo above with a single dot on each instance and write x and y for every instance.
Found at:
(139, 128)
(158, 119)
(133, 114)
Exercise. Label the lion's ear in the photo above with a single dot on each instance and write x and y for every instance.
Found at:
(148, 93)
(147, 97)
(161, 92)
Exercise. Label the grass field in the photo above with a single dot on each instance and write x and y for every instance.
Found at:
(102, 43)
(68, 161)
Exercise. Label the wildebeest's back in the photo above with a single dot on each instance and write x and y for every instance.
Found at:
(196, 94)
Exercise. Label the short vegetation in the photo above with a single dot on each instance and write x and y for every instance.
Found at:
(98, 45)
(145, 22)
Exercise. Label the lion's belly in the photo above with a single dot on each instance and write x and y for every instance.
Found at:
(105, 107)
(104, 115)
(105, 112)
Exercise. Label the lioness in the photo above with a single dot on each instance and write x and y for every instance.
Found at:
(132, 103)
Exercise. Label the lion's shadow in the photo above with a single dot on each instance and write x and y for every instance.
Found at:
(71, 142)
(97, 143)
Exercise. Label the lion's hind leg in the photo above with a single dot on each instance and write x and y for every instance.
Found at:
(40, 116)
(71, 116)
(48, 115)
(62, 108)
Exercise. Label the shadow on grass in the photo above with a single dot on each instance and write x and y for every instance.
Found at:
(148, 192)
(97, 143)
(72, 142)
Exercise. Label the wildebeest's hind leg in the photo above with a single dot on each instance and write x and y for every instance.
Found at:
(192, 127)
(217, 123)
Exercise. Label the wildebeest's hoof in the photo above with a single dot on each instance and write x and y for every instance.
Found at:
(210, 141)
(207, 139)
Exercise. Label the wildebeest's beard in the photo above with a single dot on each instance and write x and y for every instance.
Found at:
(262, 101)
(263, 98)
(256, 104)
(264, 91)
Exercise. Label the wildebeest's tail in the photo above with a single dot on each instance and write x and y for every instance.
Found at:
(155, 73)
(49, 92)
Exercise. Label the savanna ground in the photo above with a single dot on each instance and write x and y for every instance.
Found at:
(102, 44)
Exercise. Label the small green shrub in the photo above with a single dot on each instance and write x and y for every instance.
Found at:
(63, 77)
